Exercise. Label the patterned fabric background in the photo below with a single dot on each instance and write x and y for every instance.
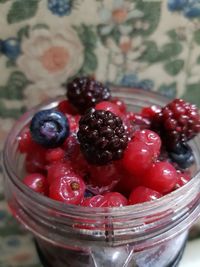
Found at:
(148, 44)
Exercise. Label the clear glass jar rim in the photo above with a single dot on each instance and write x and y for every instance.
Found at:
(147, 208)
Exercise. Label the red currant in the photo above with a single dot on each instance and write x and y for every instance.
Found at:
(57, 170)
(56, 154)
(128, 123)
(73, 153)
(127, 181)
(114, 199)
(150, 138)
(93, 202)
(65, 107)
(183, 178)
(120, 103)
(138, 157)
(71, 146)
(149, 112)
(73, 122)
(141, 122)
(109, 106)
(104, 175)
(142, 194)
(26, 143)
(79, 163)
(36, 161)
(111, 199)
(68, 189)
(161, 176)
(130, 116)
(37, 182)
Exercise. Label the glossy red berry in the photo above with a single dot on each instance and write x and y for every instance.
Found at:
(114, 199)
(80, 165)
(149, 112)
(68, 189)
(109, 106)
(73, 122)
(138, 157)
(104, 175)
(142, 194)
(74, 155)
(35, 161)
(94, 202)
(56, 154)
(150, 138)
(130, 116)
(111, 199)
(26, 143)
(65, 107)
(182, 179)
(134, 122)
(71, 145)
(127, 183)
(140, 122)
(128, 123)
(57, 170)
(37, 182)
(161, 177)
(120, 103)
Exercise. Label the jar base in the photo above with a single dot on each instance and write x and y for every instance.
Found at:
(174, 263)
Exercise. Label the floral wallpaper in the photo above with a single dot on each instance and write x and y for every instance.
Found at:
(147, 44)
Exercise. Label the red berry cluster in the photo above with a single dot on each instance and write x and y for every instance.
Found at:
(143, 173)
(179, 121)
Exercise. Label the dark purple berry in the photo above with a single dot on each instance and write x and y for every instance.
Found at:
(102, 136)
(84, 93)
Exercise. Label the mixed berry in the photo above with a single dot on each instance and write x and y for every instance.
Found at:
(84, 93)
(102, 136)
(49, 128)
(91, 151)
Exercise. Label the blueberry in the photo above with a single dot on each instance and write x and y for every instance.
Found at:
(49, 128)
(182, 154)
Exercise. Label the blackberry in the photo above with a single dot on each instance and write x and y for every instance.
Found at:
(102, 136)
(85, 92)
(177, 122)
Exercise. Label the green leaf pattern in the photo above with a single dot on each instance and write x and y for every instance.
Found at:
(89, 39)
(22, 10)
(197, 37)
(14, 87)
(174, 67)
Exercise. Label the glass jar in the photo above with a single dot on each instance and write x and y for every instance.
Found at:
(145, 235)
